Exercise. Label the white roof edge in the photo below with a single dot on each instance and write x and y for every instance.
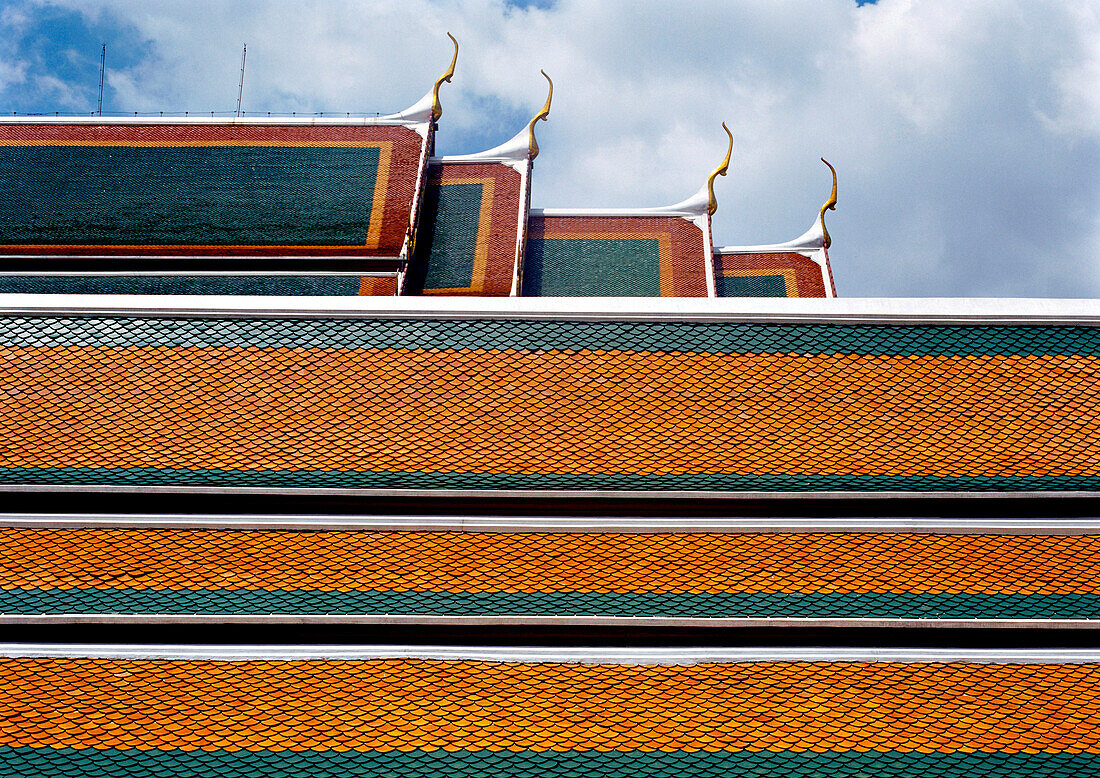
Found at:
(575, 655)
(852, 309)
(812, 239)
(458, 160)
(589, 524)
(691, 208)
(400, 119)
(516, 149)
(418, 113)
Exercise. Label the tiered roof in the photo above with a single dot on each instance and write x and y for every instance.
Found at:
(142, 438)
(335, 207)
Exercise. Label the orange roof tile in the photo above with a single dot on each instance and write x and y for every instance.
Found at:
(547, 404)
(424, 705)
(92, 570)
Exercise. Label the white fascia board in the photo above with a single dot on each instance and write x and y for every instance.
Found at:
(627, 622)
(770, 248)
(967, 310)
(406, 119)
(812, 240)
(533, 654)
(560, 525)
(515, 153)
(694, 209)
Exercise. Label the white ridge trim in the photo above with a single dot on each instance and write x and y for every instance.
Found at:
(573, 655)
(414, 115)
(963, 310)
(528, 494)
(621, 622)
(514, 153)
(559, 524)
(419, 112)
(694, 209)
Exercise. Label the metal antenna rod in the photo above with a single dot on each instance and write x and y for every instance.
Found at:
(102, 67)
(240, 87)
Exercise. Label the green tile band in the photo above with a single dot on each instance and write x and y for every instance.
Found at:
(751, 286)
(69, 762)
(450, 224)
(443, 603)
(151, 476)
(212, 195)
(543, 335)
(592, 267)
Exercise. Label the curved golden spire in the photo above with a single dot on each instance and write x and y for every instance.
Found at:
(437, 107)
(712, 205)
(830, 205)
(532, 144)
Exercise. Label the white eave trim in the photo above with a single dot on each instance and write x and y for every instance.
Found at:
(572, 655)
(812, 240)
(693, 208)
(397, 119)
(558, 524)
(899, 310)
(482, 620)
(419, 113)
(514, 153)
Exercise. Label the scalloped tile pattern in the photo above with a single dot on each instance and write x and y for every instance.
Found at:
(94, 570)
(309, 716)
(674, 405)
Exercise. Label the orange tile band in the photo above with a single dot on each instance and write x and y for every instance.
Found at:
(581, 412)
(180, 560)
(406, 705)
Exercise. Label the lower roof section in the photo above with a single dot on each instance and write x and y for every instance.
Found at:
(388, 711)
(890, 578)
(711, 402)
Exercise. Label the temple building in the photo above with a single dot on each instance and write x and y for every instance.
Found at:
(293, 489)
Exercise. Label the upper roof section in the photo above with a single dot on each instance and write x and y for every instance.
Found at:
(472, 229)
(615, 256)
(797, 268)
(222, 189)
(621, 401)
(337, 207)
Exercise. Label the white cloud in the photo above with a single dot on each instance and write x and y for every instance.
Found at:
(966, 133)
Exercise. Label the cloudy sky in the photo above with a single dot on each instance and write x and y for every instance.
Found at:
(966, 132)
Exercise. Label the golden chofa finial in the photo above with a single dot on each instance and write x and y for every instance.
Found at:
(712, 205)
(532, 144)
(437, 107)
(830, 205)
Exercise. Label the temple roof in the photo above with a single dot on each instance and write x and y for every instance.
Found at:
(229, 188)
(331, 207)
(222, 387)
(557, 712)
(823, 577)
(622, 402)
